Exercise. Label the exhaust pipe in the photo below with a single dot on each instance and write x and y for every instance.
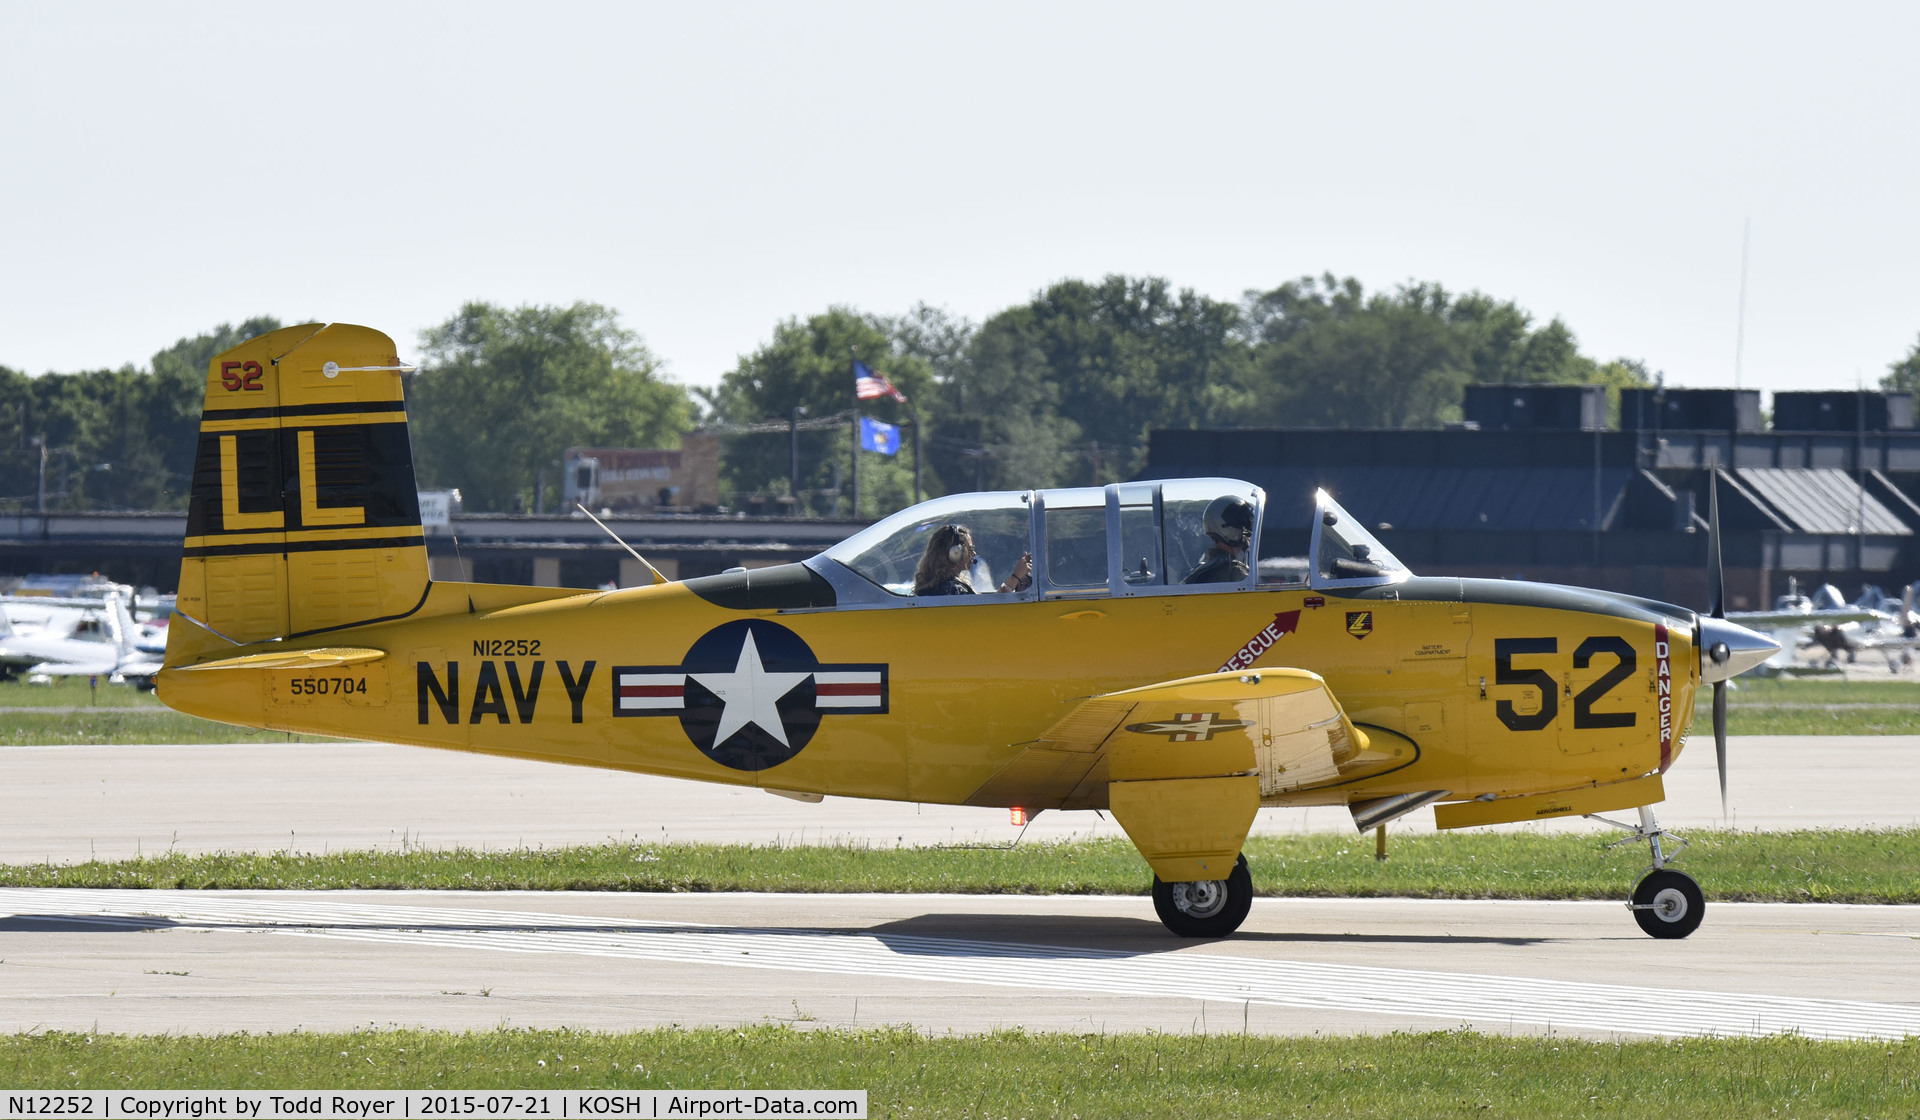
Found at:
(1369, 815)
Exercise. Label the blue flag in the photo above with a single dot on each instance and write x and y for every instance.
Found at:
(875, 436)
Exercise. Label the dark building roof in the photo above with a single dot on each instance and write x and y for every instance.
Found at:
(1821, 501)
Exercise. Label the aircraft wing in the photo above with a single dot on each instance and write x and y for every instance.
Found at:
(1778, 620)
(103, 667)
(1282, 724)
(19, 659)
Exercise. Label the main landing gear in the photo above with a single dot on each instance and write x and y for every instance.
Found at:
(1667, 903)
(1208, 907)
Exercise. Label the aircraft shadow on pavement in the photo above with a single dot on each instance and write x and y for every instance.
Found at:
(1104, 936)
(82, 923)
(943, 935)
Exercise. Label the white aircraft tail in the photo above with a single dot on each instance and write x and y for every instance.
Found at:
(121, 626)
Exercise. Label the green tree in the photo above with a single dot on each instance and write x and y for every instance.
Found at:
(1903, 376)
(1329, 354)
(502, 393)
(1065, 388)
(809, 364)
(115, 439)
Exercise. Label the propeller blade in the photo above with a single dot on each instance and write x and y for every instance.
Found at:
(1716, 578)
(1720, 738)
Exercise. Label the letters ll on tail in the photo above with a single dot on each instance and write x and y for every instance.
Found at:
(303, 516)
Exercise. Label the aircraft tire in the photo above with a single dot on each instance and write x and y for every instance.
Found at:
(1668, 904)
(1212, 908)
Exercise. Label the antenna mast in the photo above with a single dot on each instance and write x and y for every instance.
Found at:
(1740, 331)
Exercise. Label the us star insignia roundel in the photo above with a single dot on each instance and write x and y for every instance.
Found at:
(750, 693)
(1189, 727)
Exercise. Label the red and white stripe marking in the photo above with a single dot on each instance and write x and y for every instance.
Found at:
(652, 692)
(847, 690)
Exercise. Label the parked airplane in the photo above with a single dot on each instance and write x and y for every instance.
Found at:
(98, 640)
(1890, 627)
(1796, 621)
(1118, 648)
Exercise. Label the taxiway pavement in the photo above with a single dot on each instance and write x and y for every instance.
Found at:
(208, 962)
(71, 804)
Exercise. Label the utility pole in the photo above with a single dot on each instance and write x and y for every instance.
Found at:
(1740, 329)
(793, 455)
(41, 503)
(1596, 506)
(1860, 474)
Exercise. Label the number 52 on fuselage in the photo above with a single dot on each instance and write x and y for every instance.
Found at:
(1326, 674)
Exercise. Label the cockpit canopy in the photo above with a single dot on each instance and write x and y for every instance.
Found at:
(1128, 539)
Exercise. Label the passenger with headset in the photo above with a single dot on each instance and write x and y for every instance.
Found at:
(949, 557)
(1228, 523)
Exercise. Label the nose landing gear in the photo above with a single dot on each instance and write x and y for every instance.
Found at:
(1667, 904)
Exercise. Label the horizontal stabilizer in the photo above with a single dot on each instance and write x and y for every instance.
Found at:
(331, 657)
(143, 668)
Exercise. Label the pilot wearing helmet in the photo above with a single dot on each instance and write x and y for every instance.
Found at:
(1228, 523)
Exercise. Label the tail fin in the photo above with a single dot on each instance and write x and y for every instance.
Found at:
(303, 515)
(119, 623)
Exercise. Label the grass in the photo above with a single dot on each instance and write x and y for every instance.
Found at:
(73, 692)
(1758, 706)
(1806, 866)
(69, 713)
(28, 728)
(1014, 1074)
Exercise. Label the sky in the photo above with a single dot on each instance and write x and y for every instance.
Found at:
(709, 170)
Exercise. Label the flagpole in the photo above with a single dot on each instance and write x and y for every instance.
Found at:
(916, 456)
(854, 369)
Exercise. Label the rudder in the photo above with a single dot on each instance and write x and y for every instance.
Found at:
(303, 515)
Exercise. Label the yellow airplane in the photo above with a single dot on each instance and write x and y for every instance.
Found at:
(1127, 648)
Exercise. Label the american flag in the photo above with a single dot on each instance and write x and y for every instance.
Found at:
(868, 385)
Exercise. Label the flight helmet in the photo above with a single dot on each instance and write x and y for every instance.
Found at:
(1229, 520)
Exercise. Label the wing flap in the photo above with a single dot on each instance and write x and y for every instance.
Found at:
(1086, 727)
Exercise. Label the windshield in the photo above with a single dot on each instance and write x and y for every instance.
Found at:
(889, 552)
(1346, 551)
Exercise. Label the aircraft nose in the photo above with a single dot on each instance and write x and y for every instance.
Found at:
(1728, 649)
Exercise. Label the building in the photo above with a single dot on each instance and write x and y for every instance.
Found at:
(631, 480)
(1543, 496)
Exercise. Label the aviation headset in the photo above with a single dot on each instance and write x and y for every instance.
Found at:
(959, 548)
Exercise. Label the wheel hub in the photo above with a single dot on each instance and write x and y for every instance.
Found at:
(1670, 905)
(1202, 899)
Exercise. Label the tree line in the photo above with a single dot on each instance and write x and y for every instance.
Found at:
(1060, 390)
